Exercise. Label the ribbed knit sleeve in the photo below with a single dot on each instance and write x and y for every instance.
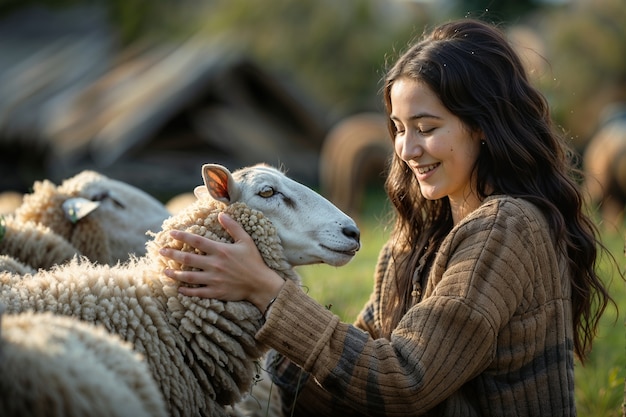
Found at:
(483, 313)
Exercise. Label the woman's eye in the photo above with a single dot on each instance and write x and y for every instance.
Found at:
(267, 192)
(425, 130)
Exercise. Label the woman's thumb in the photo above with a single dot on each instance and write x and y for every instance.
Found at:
(233, 228)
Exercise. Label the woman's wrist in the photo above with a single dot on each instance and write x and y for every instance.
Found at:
(266, 294)
(268, 308)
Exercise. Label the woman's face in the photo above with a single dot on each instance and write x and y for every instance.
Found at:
(435, 144)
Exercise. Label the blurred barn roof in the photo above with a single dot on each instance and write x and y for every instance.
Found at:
(150, 114)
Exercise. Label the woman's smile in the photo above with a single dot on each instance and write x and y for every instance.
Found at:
(426, 168)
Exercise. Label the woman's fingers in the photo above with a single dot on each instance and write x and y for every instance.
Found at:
(219, 272)
(195, 241)
(189, 259)
(233, 228)
(189, 277)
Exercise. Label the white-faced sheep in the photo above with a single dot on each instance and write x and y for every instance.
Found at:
(59, 366)
(104, 219)
(202, 352)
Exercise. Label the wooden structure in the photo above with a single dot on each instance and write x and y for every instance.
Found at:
(149, 115)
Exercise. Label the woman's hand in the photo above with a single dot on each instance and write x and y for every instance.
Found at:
(228, 271)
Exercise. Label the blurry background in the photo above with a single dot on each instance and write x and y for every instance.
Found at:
(146, 91)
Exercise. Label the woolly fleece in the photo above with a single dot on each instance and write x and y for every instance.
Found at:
(201, 352)
(60, 367)
(12, 265)
(33, 244)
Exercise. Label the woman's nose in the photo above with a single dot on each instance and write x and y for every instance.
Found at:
(409, 147)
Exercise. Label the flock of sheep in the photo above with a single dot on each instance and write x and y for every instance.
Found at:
(91, 326)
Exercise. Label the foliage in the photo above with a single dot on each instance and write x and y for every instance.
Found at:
(586, 43)
(132, 19)
(336, 50)
(501, 11)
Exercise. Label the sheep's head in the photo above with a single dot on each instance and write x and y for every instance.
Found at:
(311, 229)
(104, 219)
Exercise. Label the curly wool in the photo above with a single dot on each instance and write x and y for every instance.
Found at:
(12, 265)
(32, 245)
(201, 218)
(59, 366)
(202, 352)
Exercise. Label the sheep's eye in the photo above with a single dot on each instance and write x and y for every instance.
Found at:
(106, 195)
(100, 196)
(267, 192)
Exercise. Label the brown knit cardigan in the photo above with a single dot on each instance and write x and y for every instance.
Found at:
(492, 335)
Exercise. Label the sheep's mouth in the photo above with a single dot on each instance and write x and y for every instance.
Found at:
(346, 252)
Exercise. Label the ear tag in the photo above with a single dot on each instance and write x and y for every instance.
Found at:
(78, 207)
(3, 227)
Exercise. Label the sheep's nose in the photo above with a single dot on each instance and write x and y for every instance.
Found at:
(352, 232)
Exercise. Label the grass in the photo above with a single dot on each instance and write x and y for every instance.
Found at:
(599, 383)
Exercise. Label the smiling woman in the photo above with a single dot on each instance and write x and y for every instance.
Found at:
(487, 286)
(440, 150)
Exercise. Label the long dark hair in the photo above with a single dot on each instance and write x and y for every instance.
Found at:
(479, 78)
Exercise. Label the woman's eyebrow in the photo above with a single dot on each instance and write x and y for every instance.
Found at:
(417, 116)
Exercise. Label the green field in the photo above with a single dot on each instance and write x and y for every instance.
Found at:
(599, 383)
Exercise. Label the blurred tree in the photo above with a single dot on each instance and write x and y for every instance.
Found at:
(586, 44)
(133, 19)
(499, 11)
(335, 49)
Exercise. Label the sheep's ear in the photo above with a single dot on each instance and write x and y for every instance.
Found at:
(201, 192)
(219, 183)
(77, 208)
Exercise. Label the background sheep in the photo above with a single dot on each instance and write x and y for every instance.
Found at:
(12, 265)
(604, 163)
(179, 202)
(355, 154)
(9, 201)
(104, 219)
(32, 245)
(201, 352)
(59, 366)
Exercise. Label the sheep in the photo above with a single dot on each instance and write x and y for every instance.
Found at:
(201, 352)
(32, 245)
(12, 265)
(179, 202)
(88, 370)
(9, 201)
(104, 219)
(604, 164)
(355, 152)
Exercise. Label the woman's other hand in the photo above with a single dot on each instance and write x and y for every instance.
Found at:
(228, 271)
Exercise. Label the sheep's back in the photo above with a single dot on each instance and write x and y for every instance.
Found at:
(41, 375)
(34, 244)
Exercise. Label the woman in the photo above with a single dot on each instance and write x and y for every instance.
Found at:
(487, 286)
